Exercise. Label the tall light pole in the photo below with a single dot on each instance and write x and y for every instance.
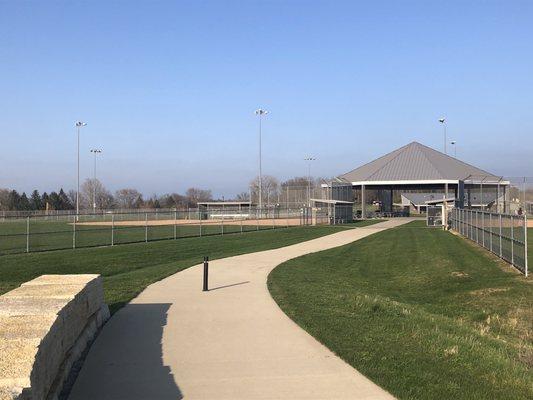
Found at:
(79, 125)
(454, 144)
(309, 160)
(260, 112)
(95, 151)
(443, 122)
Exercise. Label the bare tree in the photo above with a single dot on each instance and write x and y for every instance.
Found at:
(243, 196)
(194, 195)
(94, 194)
(4, 199)
(173, 200)
(270, 190)
(128, 198)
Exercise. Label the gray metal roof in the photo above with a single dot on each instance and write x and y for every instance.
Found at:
(415, 162)
(421, 199)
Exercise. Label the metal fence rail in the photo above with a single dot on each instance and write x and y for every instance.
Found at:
(41, 233)
(503, 234)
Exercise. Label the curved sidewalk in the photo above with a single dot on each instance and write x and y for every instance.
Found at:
(174, 341)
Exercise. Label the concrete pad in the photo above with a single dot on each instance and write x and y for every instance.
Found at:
(174, 341)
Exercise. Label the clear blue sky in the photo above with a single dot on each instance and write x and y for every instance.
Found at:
(168, 89)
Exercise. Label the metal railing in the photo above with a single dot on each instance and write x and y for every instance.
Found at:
(502, 234)
(42, 233)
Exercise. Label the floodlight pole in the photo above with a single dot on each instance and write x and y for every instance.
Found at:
(79, 125)
(260, 112)
(454, 144)
(95, 151)
(443, 122)
(309, 160)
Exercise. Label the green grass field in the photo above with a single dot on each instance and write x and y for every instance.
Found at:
(129, 268)
(423, 313)
(57, 235)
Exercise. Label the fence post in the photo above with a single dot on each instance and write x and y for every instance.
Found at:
(477, 227)
(146, 227)
(222, 219)
(525, 241)
(74, 232)
(241, 222)
(28, 234)
(175, 222)
(112, 229)
(200, 225)
(512, 240)
(501, 251)
(470, 228)
(483, 228)
(490, 225)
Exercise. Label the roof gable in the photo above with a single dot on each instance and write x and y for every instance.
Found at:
(414, 162)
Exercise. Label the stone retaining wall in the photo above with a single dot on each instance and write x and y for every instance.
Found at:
(45, 325)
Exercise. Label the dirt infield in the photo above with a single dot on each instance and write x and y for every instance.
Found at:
(164, 222)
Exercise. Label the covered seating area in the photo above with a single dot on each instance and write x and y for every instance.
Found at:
(408, 177)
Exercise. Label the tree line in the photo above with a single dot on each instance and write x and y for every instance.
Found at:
(94, 195)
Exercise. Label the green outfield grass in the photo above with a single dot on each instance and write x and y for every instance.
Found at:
(128, 269)
(57, 235)
(423, 313)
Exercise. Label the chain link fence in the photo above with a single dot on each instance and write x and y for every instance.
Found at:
(35, 233)
(503, 234)
(521, 195)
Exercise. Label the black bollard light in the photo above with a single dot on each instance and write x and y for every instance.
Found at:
(206, 272)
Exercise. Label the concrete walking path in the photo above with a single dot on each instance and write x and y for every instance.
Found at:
(174, 341)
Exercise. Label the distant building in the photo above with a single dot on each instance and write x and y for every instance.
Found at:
(408, 177)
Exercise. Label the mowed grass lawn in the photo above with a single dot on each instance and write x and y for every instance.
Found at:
(421, 312)
(57, 235)
(127, 269)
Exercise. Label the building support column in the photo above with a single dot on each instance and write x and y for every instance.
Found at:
(363, 211)
(505, 199)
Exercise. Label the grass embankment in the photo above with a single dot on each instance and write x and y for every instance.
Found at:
(128, 269)
(423, 313)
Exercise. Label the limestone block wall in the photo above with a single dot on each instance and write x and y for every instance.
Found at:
(45, 325)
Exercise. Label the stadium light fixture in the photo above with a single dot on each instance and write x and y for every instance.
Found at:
(443, 122)
(309, 160)
(79, 125)
(95, 152)
(454, 144)
(260, 112)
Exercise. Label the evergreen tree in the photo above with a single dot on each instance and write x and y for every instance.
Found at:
(139, 202)
(45, 200)
(36, 202)
(13, 200)
(64, 201)
(54, 201)
(24, 203)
